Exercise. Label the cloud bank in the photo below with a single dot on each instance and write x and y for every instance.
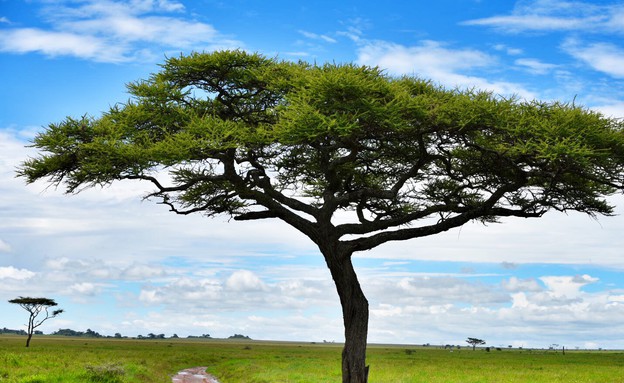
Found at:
(114, 31)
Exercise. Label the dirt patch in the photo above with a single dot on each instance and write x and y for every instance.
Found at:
(194, 375)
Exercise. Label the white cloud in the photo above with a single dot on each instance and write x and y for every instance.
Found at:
(612, 108)
(4, 247)
(315, 36)
(603, 57)
(616, 298)
(520, 23)
(433, 60)
(114, 31)
(65, 263)
(515, 284)
(160, 30)
(556, 15)
(535, 66)
(165, 5)
(509, 50)
(54, 43)
(245, 280)
(142, 272)
(14, 273)
(84, 288)
(523, 313)
(428, 57)
(567, 286)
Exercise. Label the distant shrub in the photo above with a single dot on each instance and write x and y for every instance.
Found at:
(239, 336)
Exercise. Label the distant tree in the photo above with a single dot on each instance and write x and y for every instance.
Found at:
(10, 331)
(207, 336)
(35, 306)
(474, 342)
(67, 332)
(92, 334)
(347, 155)
(117, 335)
(239, 336)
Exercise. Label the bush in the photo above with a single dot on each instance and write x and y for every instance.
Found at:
(106, 373)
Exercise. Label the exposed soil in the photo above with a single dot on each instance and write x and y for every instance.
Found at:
(194, 375)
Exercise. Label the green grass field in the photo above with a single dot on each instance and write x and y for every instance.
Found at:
(69, 360)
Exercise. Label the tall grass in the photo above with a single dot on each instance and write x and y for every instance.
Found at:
(73, 360)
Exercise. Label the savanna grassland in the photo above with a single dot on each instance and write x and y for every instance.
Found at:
(69, 360)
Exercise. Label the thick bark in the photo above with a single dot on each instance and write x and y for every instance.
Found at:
(30, 334)
(355, 316)
(31, 327)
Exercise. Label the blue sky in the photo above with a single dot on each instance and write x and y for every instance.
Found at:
(117, 264)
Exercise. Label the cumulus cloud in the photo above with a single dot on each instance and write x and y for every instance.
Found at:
(603, 57)
(54, 43)
(240, 290)
(515, 284)
(435, 60)
(11, 272)
(567, 286)
(524, 312)
(244, 280)
(142, 272)
(84, 288)
(429, 56)
(611, 108)
(113, 31)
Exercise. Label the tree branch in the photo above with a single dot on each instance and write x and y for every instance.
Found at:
(481, 210)
(253, 215)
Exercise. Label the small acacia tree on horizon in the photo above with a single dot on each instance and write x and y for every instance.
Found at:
(347, 155)
(474, 342)
(35, 306)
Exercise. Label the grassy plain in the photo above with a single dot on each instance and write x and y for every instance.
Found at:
(73, 360)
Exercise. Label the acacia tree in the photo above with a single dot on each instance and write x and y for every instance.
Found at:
(474, 342)
(35, 306)
(347, 155)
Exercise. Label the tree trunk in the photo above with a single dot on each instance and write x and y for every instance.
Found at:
(28, 339)
(31, 328)
(355, 316)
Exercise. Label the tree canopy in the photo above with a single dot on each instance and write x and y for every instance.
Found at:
(348, 155)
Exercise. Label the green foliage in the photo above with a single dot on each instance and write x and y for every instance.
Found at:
(239, 132)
